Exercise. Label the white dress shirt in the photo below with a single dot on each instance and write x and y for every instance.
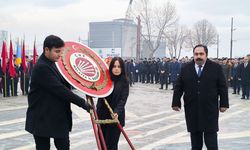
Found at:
(197, 67)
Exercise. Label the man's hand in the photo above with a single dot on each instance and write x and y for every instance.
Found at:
(176, 108)
(223, 109)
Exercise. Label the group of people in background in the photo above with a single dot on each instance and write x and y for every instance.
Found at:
(48, 89)
(148, 70)
(165, 71)
(9, 85)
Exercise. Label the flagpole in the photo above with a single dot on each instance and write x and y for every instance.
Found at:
(5, 85)
(24, 90)
(13, 87)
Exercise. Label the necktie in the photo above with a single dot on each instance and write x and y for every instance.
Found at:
(199, 71)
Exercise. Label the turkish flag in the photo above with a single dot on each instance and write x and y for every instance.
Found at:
(23, 58)
(4, 57)
(34, 53)
(12, 69)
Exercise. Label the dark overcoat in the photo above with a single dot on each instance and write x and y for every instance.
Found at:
(244, 74)
(202, 96)
(164, 66)
(49, 113)
(175, 68)
(117, 100)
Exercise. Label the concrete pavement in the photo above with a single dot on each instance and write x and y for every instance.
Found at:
(150, 123)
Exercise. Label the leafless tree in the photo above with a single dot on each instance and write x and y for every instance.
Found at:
(176, 38)
(203, 32)
(155, 20)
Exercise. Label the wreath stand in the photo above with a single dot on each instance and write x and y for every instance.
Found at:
(96, 123)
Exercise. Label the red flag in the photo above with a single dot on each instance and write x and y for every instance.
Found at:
(4, 57)
(23, 58)
(34, 53)
(12, 69)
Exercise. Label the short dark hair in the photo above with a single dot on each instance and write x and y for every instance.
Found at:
(52, 41)
(200, 45)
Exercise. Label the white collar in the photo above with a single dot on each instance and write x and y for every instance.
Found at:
(197, 66)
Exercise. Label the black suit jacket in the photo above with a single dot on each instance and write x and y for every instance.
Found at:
(49, 113)
(244, 74)
(201, 96)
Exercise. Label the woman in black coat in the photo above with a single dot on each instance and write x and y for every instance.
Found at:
(117, 100)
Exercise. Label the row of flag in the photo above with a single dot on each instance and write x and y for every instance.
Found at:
(20, 57)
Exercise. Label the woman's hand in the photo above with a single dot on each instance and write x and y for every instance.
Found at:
(115, 116)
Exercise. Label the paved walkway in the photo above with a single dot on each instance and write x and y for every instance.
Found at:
(150, 123)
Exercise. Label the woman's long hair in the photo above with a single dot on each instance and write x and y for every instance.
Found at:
(123, 74)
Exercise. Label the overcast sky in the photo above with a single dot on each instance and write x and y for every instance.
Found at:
(70, 19)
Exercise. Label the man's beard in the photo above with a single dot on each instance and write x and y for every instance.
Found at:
(199, 61)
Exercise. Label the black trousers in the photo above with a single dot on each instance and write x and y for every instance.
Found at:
(245, 91)
(236, 85)
(152, 77)
(6, 86)
(25, 85)
(148, 77)
(210, 139)
(136, 76)
(111, 135)
(13, 86)
(143, 77)
(43, 143)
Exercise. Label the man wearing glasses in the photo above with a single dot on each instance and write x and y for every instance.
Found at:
(205, 94)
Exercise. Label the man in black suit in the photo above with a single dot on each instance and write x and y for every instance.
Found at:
(205, 94)
(244, 77)
(49, 114)
(164, 72)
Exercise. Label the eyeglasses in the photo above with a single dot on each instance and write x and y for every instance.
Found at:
(196, 54)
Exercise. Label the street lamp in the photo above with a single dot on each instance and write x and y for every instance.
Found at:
(231, 40)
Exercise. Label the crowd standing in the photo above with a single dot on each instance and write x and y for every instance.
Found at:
(163, 71)
(9, 85)
(193, 77)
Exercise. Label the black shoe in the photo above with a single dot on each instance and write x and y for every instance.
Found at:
(233, 93)
(160, 88)
(166, 88)
(242, 98)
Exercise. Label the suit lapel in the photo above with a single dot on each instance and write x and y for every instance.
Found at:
(205, 69)
(194, 70)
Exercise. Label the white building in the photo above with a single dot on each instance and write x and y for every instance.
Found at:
(113, 38)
